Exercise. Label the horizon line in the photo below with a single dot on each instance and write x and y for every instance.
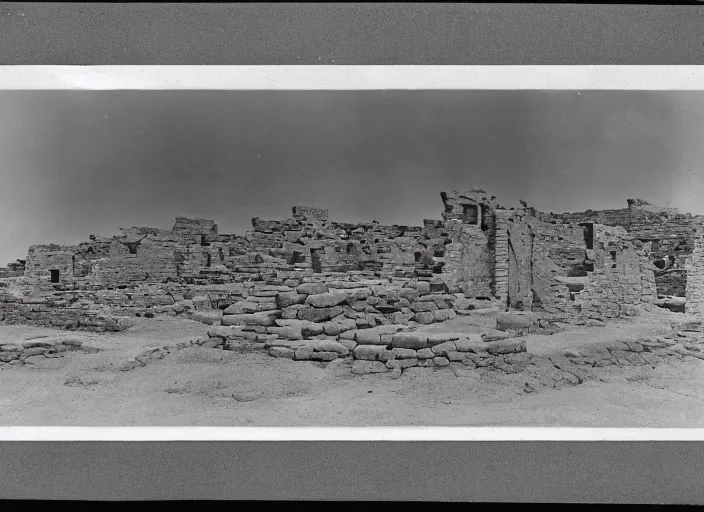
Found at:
(343, 222)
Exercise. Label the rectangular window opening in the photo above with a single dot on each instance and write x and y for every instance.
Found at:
(55, 274)
(470, 213)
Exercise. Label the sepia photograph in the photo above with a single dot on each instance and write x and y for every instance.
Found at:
(352, 258)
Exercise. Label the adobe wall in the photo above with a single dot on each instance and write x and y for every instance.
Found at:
(669, 233)
(622, 276)
(544, 254)
(42, 258)
(554, 272)
(469, 218)
(24, 303)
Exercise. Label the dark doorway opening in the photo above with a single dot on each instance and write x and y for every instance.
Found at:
(55, 274)
(316, 261)
(485, 217)
(613, 259)
(588, 234)
(204, 241)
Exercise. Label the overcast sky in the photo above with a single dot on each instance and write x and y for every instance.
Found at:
(76, 163)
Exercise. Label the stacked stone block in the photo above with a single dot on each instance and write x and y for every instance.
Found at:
(372, 321)
(695, 279)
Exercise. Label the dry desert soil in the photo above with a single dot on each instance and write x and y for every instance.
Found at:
(198, 386)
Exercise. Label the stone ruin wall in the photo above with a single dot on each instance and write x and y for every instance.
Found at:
(695, 277)
(143, 270)
(622, 278)
(670, 234)
(555, 272)
(469, 219)
(479, 256)
(14, 269)
(543, 252)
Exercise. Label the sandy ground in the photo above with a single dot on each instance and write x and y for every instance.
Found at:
(200, 386)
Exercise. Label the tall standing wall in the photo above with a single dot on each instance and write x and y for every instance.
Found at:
(695, 279)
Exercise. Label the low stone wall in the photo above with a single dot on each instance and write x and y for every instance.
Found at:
(335, 303)
(391, 349)
(378, 323)
(27, 305)
(150, 354)
(377, 349)
(46, 346)
(576, 366)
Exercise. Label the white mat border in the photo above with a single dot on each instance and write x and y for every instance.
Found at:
(446, 434)
(331, 77)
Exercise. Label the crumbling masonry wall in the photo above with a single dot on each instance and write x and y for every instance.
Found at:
(470, 221)
(145, 269)
(622, 277)
(695, 278)
(670, 235)
(556, 266)
(569, 274)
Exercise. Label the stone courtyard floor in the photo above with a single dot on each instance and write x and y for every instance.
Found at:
(194, 385)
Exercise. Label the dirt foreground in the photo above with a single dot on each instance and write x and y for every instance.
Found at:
(198, 386)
